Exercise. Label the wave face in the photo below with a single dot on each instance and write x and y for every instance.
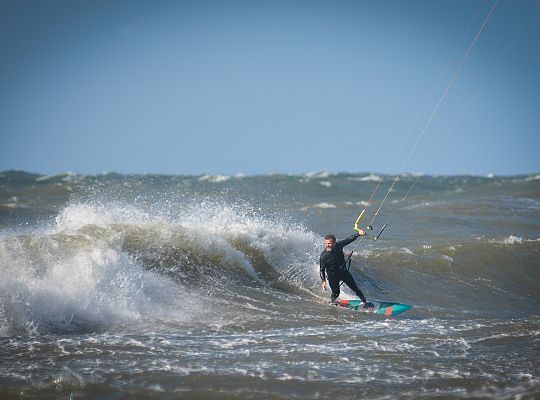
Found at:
(164, 268)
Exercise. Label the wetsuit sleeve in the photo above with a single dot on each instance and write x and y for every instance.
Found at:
(350, 239)
(322, 265)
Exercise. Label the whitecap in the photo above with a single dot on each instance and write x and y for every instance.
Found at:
(513, 240)
(532, 178)
(510, 240)
(324, 205)
(214, 178)
(66, 177)
(326, 184)
(45, 177)
(321, 174)
(368, 178)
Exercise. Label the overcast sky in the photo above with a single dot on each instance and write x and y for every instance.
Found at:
(254, 87)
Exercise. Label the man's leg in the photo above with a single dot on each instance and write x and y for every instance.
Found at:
(333, 281)
(349, 281)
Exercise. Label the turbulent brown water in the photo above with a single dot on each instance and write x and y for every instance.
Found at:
(119, 286)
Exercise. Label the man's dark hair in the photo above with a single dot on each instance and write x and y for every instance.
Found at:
(330, 237)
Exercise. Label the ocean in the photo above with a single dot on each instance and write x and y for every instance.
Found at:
(207, 287)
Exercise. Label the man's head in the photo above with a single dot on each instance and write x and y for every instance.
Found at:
(329, 242)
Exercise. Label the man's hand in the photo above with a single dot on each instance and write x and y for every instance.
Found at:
(324, 285)
(361, 232)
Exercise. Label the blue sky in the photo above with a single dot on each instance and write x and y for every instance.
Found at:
(254, 87)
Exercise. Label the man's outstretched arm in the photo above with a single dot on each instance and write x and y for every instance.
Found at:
(350, 239)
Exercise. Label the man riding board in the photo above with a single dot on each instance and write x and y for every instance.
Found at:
(332, 267)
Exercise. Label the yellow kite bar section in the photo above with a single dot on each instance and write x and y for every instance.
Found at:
(356, 227)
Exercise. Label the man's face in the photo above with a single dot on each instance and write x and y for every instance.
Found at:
(329, 244)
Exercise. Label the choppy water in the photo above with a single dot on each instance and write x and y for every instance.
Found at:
(119, 286)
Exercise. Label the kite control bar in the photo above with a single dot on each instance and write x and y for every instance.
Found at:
(380, 233)
(368, 228)
(347, 263)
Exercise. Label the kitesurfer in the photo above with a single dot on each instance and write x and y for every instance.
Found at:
(332, 266)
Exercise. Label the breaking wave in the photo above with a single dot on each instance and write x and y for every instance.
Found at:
(98, 266)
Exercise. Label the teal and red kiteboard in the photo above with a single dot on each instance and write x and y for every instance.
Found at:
(379, 307)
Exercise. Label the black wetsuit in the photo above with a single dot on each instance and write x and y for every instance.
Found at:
(332, 265)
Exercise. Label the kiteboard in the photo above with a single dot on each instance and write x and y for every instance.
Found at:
(379, 307)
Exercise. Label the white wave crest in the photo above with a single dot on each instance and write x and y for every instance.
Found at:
(77, 216)
(368, 178)
(319, 175)
(510, 240)
(513, 240)
(532, 178)
(405, 250)
(65, 177)
(214, 178)
(324, 205)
